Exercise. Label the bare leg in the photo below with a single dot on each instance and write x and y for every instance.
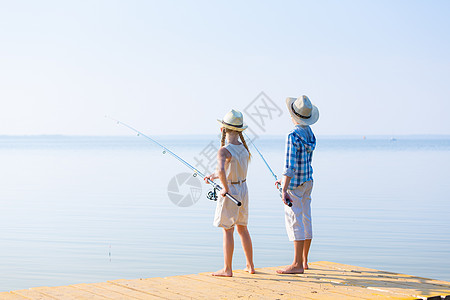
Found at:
(228, 247)
(246, 241)
(297, 265)
(305, 253)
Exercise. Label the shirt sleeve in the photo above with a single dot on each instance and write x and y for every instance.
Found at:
(291, 154)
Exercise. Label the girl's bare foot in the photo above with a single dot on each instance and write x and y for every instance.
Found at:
(250, 269)
(291, 270)
(305, 266)
(223, 273)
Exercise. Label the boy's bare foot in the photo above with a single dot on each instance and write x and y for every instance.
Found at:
(305, 266)
(250, 269)
(291, 270)
(223, 273)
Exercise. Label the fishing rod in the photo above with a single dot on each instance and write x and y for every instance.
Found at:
(211, 195)
(289, 203)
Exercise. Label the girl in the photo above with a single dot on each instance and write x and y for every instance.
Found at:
(232, 162)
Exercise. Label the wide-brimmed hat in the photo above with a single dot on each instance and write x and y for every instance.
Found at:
(233, 120)
(302, 110)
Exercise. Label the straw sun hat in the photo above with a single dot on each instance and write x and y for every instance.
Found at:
(302, 110)
(233, 120)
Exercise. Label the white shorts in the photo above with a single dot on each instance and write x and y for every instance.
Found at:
(228, 213)
(298, 217)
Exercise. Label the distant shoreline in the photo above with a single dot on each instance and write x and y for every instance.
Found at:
(209, 136)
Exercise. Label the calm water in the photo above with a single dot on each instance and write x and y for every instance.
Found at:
(91, 209)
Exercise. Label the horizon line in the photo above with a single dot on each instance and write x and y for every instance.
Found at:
(209, 135)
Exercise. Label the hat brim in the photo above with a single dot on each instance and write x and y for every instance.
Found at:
(232, 127)
(311, 120)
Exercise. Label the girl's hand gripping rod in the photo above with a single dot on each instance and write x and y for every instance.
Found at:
(288, 202)
(215, 185)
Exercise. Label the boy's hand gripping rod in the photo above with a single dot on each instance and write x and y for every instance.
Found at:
(215, 185)
(288, 202)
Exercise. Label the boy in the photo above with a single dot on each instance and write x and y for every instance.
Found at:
(297, 181)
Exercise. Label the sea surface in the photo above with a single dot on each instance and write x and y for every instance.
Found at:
(92, 209)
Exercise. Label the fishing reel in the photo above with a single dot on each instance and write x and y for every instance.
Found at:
(212, 195)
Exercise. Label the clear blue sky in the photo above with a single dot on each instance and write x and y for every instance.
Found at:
(174, 67)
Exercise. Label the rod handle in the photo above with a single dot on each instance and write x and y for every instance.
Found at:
(238, 203)
(289, 203)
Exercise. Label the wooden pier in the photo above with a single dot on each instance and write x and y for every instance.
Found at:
(324, 280)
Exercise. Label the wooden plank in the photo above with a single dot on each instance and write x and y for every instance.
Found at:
(114, 291)
(150, 287)
(245, 286)
(34, 294)
(174, 285)
(11, 296)
(69, 293)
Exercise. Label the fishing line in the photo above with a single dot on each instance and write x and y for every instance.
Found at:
(216, 187)
(289, 203)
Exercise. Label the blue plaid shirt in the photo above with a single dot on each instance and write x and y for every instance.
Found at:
(300, 144)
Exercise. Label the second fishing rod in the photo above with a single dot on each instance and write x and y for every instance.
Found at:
(288, 202)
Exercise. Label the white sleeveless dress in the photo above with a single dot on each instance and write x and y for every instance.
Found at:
(228, 213)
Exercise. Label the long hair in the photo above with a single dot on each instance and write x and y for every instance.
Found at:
(241, 137)
(222, 140)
